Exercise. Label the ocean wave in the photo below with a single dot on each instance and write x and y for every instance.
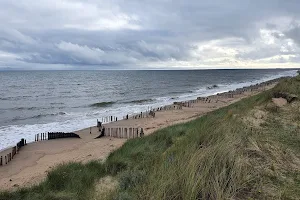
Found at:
(212, 87)
(56, 103)
(140, 101)
(14, 98)
(18, 118)
(26, 108)
(182, 92)
(103, 104)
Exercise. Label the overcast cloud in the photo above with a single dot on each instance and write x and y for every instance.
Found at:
(140, 34)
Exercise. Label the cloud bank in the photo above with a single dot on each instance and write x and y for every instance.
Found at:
(144, 34)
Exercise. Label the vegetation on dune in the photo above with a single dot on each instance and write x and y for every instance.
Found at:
(248, 150)
(66, 182)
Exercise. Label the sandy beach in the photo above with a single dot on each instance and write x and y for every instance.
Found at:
(31, 164)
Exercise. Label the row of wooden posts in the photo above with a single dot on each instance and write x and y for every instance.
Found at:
(150, 112)
(124, 132)
(4, 160)
(54, 135)
(168, 107)
(109, 119)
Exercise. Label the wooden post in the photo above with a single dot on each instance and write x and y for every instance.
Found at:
(128, 130)
(136, 132)
(132, 133)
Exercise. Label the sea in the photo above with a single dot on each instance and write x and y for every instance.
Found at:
(33, 102)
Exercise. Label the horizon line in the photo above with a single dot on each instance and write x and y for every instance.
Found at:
(150, 69)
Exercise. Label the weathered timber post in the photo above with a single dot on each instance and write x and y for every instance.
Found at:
(142, 132)
(132, 133)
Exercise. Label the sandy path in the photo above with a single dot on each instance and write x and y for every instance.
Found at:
(31, 164)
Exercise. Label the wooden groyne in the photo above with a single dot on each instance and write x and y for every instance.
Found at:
(124, 132)
(121, 132)
(151, 112)
(10, 152)
(108, 119)
(54, 135)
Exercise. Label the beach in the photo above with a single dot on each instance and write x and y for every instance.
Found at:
(31, 164)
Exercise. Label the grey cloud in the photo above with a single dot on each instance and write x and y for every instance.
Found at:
(294, 34)
(128, 33)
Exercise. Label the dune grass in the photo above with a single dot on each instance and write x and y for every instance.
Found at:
(218, 156)
(66, 182)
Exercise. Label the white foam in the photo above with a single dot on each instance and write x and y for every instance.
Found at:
(76, 121)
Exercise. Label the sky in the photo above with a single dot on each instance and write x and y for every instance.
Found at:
(149, 34)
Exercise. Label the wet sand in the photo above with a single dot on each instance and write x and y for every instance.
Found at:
(31, 164)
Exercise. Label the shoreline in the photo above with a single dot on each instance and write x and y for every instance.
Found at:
(53, 120)
(34, 160)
